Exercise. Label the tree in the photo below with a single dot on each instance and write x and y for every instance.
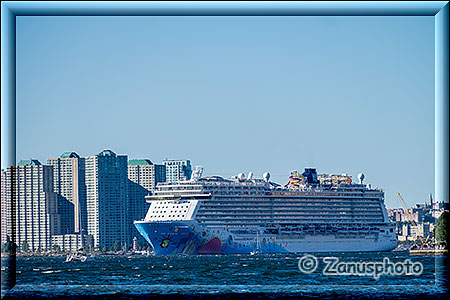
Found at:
(116, 246)
(138, 246)
(440, 229)
(25, 246)
(6, 247)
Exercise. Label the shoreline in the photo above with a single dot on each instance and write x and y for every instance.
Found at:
(428, 252)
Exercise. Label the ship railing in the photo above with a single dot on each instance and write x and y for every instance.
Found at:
(177, 197)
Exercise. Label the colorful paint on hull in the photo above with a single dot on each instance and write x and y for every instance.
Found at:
(169, 238)
(188, 238)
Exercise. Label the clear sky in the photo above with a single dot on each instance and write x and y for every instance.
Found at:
(235, 94)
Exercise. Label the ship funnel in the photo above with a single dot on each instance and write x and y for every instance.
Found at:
(360, 178)
(241, 176)
(250, 176)
(266, 176)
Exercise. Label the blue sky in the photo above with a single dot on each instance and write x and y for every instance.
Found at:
(235, 94)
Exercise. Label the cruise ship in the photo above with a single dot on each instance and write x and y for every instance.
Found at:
(244, 215)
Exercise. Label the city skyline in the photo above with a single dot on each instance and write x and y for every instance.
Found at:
(73, 200)
(146, 162)
(251, 94)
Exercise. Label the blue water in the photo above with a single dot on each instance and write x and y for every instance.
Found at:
(276, 274)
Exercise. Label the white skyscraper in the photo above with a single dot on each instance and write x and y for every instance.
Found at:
(3, 207)
(177, 170)
(36, 214)
(70, 187)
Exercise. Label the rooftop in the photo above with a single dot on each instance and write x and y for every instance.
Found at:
(29, 162)
(106, 153)
(139, 162)
(69, 155)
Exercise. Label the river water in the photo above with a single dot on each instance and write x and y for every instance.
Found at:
(248, 275)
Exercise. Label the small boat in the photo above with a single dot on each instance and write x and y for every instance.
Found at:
(257, 245)
(79, 255)
(76, 257)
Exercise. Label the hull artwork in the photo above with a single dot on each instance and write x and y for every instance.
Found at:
(171, 238)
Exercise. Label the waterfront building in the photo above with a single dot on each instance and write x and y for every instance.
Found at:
(35, 215)
(416, 223)
(106, 198)
(3, 207)
(72, 242)
(413, 214)
(177, 170)
(414, 232)
(438, 209)
(69, 185)
(145, 173)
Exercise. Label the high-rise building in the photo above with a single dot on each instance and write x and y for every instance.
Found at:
(177, 170)
(35, 214)
(10, 203)
(106, 198)
(143, 176)
(145, 173)
(3, 207)
(69, 185)
(72, 242)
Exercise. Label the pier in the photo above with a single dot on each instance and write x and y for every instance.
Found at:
(428, 252)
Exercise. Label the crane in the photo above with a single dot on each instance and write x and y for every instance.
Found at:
(412, 220)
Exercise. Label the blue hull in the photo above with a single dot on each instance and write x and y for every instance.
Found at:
(172, 237)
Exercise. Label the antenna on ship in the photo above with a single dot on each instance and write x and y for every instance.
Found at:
(250, 176)
(266, 176)
(360, 178)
